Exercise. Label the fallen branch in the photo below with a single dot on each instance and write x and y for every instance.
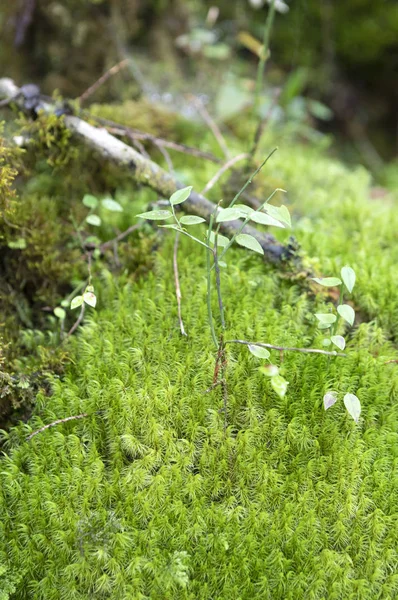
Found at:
(148, 173)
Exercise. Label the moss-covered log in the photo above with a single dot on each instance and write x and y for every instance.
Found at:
(147, 172)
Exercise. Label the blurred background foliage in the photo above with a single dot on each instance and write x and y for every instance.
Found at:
(341, 55)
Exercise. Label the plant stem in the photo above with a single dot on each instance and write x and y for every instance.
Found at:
(252, 176)
(244, 223)
(218, 282)
(208, 268)
(264, 53)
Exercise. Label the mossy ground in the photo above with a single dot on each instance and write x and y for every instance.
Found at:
(148, 497)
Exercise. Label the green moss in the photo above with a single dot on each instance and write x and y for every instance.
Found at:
(146, 497)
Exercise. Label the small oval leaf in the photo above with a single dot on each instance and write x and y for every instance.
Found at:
(338, 341)
(180, 195)
(250, 242)
(349, 277)
(327, 281)
(269, 370)
(353, 406)
(329, 399)
(326, 318)
(347, 312)
(156, 215)
(93, 220)
(280, 385)
(90, 201)
(76, 302)
(18, 244)
(229, 214)
(59, 313)
(111, 205)
(281, 213)
(191, 220)
(90, 299)
(258, 351)
(222, 241)
(263, 219)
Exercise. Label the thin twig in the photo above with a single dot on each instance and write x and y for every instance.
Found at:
(112, 71)
(119, 238)
(57, 422)
(224, 168)
(393, 360)
(177, 283)
(134, 134)
(166, 157)
(212, 125)
(283, 348)
(77, 323)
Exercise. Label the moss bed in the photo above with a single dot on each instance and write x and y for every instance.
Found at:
(147, 497)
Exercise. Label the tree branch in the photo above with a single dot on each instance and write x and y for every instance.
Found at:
(148, 173)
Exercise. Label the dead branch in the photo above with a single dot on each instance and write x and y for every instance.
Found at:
(148, 173)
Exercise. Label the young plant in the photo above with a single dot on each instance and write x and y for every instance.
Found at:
(330, 321)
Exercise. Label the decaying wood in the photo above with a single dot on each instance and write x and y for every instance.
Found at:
(148, 173)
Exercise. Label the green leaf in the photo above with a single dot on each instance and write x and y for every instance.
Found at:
(353, 406)
(326, 342)
(89, 288)
(280, 385)
(329, 399)
(269, 370)
(347, 312)
(92, 239)
(90, 201)
(76, 302)
(348, 276)
(59, 313)
(244, 209)
(327, 281)
(156, 215)
(191, 220)
(180, 195)
(90, 299)
(250, 242)
(258, 351)
(324, 325)
(93, 220)
(263, 219)
(18, 244)
(222, 241)
(229, 214)
(281, 213)
(111, 205)
(326, 318)
(338, 341)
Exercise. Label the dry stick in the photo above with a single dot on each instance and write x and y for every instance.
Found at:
(135, 134)
(200, 107)
(175, 253)
(119, 238)
(177, 283)
(77, 323)
(148, 173)
(224, 168)
(93, 88)
(283, 348)
(57, 422)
